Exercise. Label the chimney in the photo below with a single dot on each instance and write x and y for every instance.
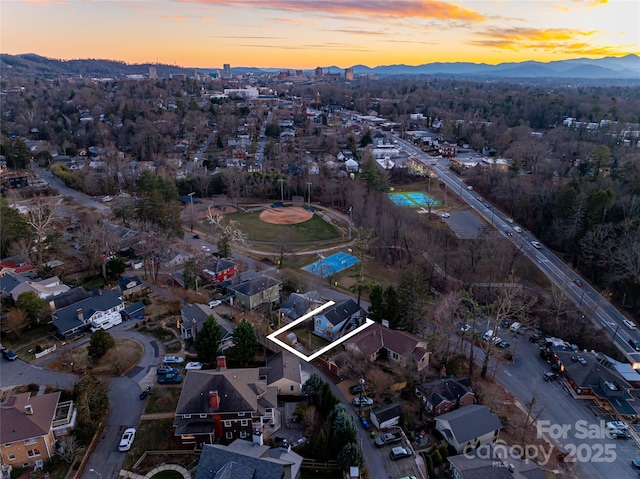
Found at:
(28, 409)
(221, 363)
(214, 400)
(194, 328)
(257, 437)
(80, 315)
(285, 445)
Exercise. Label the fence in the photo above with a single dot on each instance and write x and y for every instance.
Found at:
(297, 200)
(44, 352)
(313, 464)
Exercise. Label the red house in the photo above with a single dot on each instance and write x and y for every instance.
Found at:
(222, 270)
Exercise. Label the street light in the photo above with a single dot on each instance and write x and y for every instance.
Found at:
(350, 215)
(309, 190)
(93, 470)
(190, 195)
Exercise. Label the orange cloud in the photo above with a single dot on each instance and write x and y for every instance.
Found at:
(557, 41)
(570, 5)
(421, 9)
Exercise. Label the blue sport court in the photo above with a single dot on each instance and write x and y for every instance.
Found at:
(331, 264)
(412, 199)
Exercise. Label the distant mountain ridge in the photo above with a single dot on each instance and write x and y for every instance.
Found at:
(620, 68)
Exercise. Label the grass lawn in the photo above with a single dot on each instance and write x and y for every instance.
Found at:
(118, 359)
(315, 229)
(158, 333)
(149, 437)
(162, 399)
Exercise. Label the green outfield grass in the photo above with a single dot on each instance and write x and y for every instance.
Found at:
(315, 229)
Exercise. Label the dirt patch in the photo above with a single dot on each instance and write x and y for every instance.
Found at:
(286, 216)
(118, 359)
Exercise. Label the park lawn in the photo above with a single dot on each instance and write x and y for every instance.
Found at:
(315, 229)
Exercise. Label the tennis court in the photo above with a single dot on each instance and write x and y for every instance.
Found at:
(412, 199)
(331, 264)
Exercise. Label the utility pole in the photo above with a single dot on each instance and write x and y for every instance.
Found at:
(281, 181)
(309, 193)
(350, 217)
(190, 195)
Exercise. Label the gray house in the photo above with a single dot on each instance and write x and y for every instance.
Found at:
(469, 427)
(489, 463)
(257, 291)
(193, 317)
(244, 459)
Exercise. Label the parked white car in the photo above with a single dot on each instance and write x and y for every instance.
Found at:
(193, 365)
(172, 360)
(127, 439)
(365, 401)
(214, 303)
(205, 248)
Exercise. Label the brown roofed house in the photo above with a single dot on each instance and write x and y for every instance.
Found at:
(26, 429)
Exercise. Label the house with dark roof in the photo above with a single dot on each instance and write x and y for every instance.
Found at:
(592, 376)
(248, 460)
(285, 371)
(386, 416)
(443, 395)
(99, 311)
(130, 286)
(337, 320)
(468, 428)
(133, 311)
(193, 317)
(72, 296)
(222, 405)
(488, 462)
(297, 305)
(222, 269)
(378, 341)
(28, 427)
(9, 282)
(257, 291)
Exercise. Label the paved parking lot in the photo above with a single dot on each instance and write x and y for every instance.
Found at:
(467, 225)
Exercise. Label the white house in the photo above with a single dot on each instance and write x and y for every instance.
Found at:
(387, 416)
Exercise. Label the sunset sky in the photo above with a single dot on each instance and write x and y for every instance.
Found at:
(309, 33)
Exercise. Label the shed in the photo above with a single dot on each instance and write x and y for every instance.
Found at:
(384, 417)
(136, 310)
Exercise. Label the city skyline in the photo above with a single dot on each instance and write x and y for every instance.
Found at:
(304, 34)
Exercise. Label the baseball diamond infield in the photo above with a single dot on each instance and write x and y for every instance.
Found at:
(290, 215)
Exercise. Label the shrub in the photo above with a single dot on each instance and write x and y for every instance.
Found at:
(38, 348)
(429, 464)
(33, 388)
(16, 472)
(437, 458)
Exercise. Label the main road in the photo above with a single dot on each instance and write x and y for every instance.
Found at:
(598, 456)
(588, 300)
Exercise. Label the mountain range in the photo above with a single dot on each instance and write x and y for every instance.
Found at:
(615, 68)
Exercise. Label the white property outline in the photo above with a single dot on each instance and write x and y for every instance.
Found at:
(367, 322)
